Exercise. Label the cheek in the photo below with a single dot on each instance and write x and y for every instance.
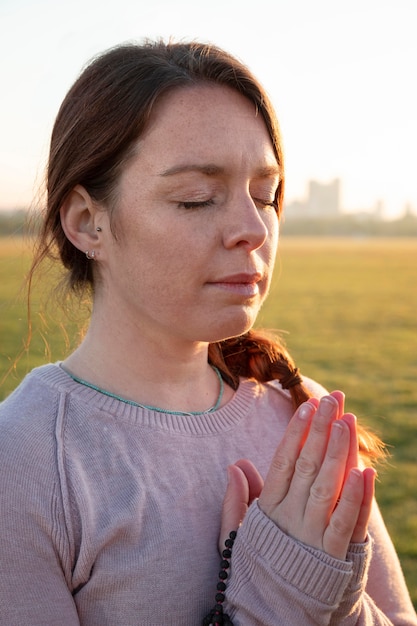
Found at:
(164, 263)
(271, 245)
(269, 251)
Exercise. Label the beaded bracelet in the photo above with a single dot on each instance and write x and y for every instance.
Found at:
(216, 617)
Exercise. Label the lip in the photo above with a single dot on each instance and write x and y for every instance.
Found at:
(245, 284)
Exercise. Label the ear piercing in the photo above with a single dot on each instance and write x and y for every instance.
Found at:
(92, 255)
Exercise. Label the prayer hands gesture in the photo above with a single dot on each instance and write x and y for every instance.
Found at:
(314, 490)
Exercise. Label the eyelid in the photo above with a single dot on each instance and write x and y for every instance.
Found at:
(195, 204)
(267, 203)
(200, 204)
(266, 192)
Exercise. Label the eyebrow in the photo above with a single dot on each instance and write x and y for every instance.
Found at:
(214, 170)
(209, 170)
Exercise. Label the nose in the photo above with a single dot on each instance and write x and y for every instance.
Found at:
(246, 225)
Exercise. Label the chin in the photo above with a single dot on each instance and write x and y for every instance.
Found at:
(231, 328)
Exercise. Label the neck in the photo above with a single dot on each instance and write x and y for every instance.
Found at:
(211, 409)
(172, 377)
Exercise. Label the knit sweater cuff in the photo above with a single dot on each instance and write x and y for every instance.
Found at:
(314, 573)
(360, 556)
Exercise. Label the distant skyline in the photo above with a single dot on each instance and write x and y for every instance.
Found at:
(340, 74)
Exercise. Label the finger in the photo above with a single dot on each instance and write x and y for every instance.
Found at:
(244, 485)
(353, 456)
(350, 419)
(316, 442)
(345, 517)
(283, 463)
(326, 488)
(255, 480)
(361, 529)
(311, 456)
(340, 398)
(235, 502)
(314, 401)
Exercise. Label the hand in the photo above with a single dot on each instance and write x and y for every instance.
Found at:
(314, 490)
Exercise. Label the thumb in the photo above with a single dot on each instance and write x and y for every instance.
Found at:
(244, 484)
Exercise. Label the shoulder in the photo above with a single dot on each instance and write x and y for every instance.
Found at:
(272, 405)
(28, 420)
(36, 395)
(272, 395)
(316, 389)
(29, 475)
(31, 495)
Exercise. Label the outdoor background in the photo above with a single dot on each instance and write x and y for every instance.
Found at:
(341, 74)
(346, 308)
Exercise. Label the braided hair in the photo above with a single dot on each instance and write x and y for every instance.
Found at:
(260, 355)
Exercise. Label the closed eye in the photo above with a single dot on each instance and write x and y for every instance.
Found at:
(266, 204)
(195, 205)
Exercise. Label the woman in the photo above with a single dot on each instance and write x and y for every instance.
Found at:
(165, 187)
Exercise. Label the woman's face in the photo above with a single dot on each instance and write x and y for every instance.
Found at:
(195, 221)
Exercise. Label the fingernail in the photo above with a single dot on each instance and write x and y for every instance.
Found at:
(327, 406)
(305, 411)
(337, 430)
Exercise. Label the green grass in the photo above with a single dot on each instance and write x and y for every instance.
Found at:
(55, 329)
(348, 311)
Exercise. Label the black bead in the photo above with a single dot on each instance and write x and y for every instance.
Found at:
(209, 618)
(216, 617)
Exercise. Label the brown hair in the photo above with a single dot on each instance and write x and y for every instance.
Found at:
(97, 126)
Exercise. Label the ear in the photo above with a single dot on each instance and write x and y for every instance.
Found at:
(79, 218)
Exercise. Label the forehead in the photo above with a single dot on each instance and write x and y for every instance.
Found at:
(204, 121)
(199, 99)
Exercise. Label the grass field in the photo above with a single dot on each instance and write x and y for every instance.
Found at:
(348, 309)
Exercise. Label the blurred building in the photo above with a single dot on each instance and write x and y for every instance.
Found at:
(323, 200)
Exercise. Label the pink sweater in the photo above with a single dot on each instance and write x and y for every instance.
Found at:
(110, 516)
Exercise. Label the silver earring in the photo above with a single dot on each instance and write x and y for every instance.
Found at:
(99, 229)
(90, 255)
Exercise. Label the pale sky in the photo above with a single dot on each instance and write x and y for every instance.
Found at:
(341, 73)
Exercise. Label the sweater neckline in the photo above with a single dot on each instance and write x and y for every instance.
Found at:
(110, 394)
(91, 401)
